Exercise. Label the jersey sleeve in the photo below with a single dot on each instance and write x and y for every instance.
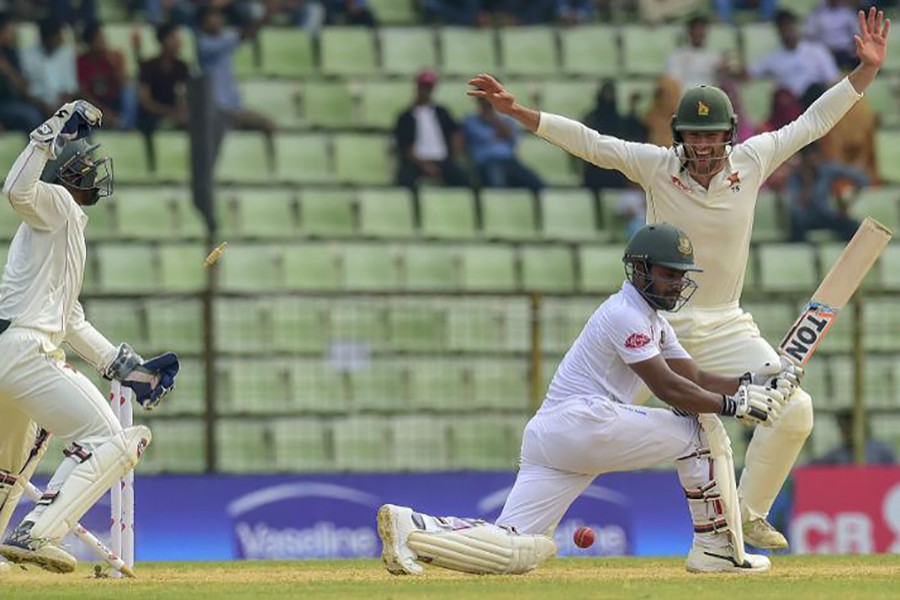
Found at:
(631, 335)
(43, 206)
(87, 342)
(671, 348)
(634, 160)
(771, 149)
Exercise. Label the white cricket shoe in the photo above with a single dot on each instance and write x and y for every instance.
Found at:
(759, 533)
(720, 559)
(395, 523)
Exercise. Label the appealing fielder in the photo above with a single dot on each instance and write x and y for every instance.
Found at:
(588, 425)
(39, 310)
(708, 185)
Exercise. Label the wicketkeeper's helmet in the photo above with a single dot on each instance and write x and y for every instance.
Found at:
(704, 108)
(76, 167)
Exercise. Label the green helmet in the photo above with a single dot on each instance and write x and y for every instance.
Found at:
(704, 108)
(661, 244)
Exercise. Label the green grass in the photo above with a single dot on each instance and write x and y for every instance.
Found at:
(797, 578)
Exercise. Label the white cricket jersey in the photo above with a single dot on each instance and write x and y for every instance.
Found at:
(718, 220)
(623, 330)
(44, 270)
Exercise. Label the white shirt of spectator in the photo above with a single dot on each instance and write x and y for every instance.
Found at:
(692, 67)
(797, 69)
(430, 143)
(50, 77)
(834, 27)
(624, 330)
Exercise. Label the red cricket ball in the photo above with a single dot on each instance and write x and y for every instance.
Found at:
(584, 537)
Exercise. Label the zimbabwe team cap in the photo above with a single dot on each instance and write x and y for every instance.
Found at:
(704, 108)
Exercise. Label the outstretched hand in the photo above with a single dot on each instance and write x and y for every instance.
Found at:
(491, 90)
(871, 42)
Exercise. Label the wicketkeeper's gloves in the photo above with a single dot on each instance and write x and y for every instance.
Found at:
(151, 380)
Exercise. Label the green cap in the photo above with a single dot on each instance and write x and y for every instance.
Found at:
(661, 244)
(704, 108)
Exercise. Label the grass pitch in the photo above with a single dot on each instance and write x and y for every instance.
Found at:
(794, 577)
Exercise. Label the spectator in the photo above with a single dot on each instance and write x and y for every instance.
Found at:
(349, 12)
(833, 23)
(809, 190)
(427, 139)
(725, 8)
(161, 83)
(491, 141)
(605, 119)
(78, 14)
(49, 66)
(694, 65)
(658, 119)
(876, 452)
(523, 12)
(798, 64)
(454, 12)
(216, 46)
(852, 140)
(179, 12)
(309, 15)
(18, 111)
(101, 75)
(573, 12)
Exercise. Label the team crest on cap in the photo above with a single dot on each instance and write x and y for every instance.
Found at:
(684, 246)
(702, 109)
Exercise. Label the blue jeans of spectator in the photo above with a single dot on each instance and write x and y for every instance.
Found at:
(17, 115)
(451, 12)
(128, 107)
(508, 173)
(808, 218)
(181, 13)
(725, 8)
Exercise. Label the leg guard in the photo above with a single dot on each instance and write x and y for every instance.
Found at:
(97, 472)
(13, 485)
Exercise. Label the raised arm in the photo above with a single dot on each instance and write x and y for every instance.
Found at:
(37, 203)
(871, 48)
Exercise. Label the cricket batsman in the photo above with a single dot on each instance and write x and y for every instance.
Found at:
(39, 310)
(707, 184)
(588, 425)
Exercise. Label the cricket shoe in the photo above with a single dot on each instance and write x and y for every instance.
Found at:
(759, 533)
(720, 559)
(20, 548)
(395, 523)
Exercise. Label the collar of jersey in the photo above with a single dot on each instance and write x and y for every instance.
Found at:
(633, 297)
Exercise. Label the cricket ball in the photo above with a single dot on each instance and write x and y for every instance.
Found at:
(584, 537)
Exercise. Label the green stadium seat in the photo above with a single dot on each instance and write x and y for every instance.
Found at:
(4, 255)
(489, 268)
(286, 52)
(386, 213)
(467, 51)
(362, 322)
(773, 318)
(247, 60)
(414, 326)
(879, 387)
(407, 50)
(302, 158)
(363, 159)
(508, 214)
(90, 283)
(447, 213)
(299, 325)
(887, 427)
(244, 446)
(370, 267)
(101, 220)
(363, 444)
(119, 320)
(562, 319)
(554, 165)
(127, 268)
(890, 271)
(880, 204)
(756, 97)
(569, 215)
(601, 268)
(645, 49)
(278, 100)
(768, 218)
(644, 88)
(420, 443)
(242, 324)
(179, 446)
(175, 325)
(189, 222)
(252, 268)
(242, 158)
(548, 269)
(173, 156)
(181, 267)
(881, 325)
(430, 267)
(573, 99)
(392, 12)
(311, 267)
(882, 96)
(129, 154)
(825, 435)
(828, 255)
(488, 325)
(347, 51)
(11, 146)
(840, 379)
(328, 104)
(383, 101)
(381, 386)
(759, 39)
(528, 50)
(815, 381)
(440, 385)
(266, 213)
(301, 445)
(724, 38)
(146, 213)
(486, 443)
(788, 267)
(189, 396)
(327, 213)
(591, 50)
(500, 384)
(318, 387)
(255, 386)
(452, 96)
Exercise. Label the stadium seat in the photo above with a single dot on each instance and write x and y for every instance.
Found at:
(247, 60)
(500, 385)
(815, 381)
(300, 325)
(768, 218)
(327, 213)
(890, 271)
(189, 396)
(407, 50)
(447, 213)
(553, 165)
(825, 435)
(645, 49)
(840, 378)
(119, 320)
(181, 267)
(828, 255)
(129, 155)
(440, 385)
(327, 104)
(430, 267)
(488, 325)
(347, 51)
(363, 159)
(242, 159)
(252, 268)
(601, 268)
(381, 102)
(179, 446)
(488, 268)
(882, 96)
(416, 325)
(146, 213)
(174, 325)
(486, 443)
(548, 269)
(788, 267)
(128, 268)
(12, 144)
(724, 38)
(302, 158)
(573, 99)
(318, 387)
(645, 89)
(590, 50)
(562, 319)
(569, 215)
(189, 222)
(277, 99)
(452, 96)
(286, 52)
(466, 51)
(172, 156)
(242, 325)
(311, 267)
(528, 50)
(391, 12)
(508, 214)
(370, 267)
(381, 386)
(244, 446)
(773, 318)
(887, 428)
(266, 213)
(880, 204)
(879, 387)
(254, 386)
(359, 325)
(881, 325)
(420, 443)
(386, 213)
(301, 445)
(363, 444)
(759, 39)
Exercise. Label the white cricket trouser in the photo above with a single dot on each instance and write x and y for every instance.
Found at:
(566, 445)
(727, 342)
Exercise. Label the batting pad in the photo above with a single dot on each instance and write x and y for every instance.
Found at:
(723, 474)
(482, 549)
(90, 480)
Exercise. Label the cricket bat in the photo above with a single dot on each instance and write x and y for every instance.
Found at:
(835, 291)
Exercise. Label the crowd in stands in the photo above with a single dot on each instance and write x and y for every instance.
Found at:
(477, 149)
